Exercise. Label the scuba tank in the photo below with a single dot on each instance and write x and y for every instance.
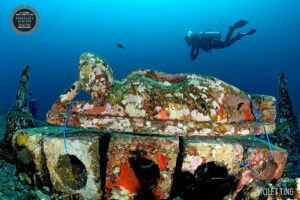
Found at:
(210, 35)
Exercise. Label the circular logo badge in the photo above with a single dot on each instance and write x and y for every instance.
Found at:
(24, 20)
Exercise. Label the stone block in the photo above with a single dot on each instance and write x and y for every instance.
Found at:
(260, 168)
(79, 170)
(32, 162)
(263, 168)
(203, 150)
(140, 164)
(155, 126)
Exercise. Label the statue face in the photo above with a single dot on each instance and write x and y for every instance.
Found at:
(87, 77)
(93, 80)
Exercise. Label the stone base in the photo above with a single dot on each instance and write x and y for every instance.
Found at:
(126, 153)
(123, 165)
(33, 163)
(157, 126)
(204, 150)
(78, 171)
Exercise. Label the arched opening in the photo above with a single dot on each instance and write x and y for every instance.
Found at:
(83, 96)
(25, 165)
(148, 175)
(209, 181)
(25, 158)
(71, 171)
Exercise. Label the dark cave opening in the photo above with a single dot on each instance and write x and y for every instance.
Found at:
(71, 171)
(148, 175)
(210, 181)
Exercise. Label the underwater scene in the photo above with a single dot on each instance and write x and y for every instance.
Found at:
(150, 100)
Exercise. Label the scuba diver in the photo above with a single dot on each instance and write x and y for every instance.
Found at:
(211, 40)
(32, 105)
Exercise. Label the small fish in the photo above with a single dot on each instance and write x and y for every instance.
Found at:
(120, 46)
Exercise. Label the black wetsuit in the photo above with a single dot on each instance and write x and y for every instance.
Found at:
(197, 41)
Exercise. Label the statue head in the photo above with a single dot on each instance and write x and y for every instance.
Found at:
(95, 76)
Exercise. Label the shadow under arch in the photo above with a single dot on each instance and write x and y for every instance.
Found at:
(210, 181)
(148, 175)
(72, 171)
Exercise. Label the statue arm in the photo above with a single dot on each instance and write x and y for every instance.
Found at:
(67, 96)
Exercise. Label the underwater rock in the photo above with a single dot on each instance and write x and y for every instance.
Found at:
(32, 105)
(19, 116)
(152, 102)
(10, 187)
(24, 178)
(285, 106)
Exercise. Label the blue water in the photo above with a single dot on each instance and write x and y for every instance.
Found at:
(152, 32)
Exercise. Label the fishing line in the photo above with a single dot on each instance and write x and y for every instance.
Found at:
(64, 128)
(256, 116)
(63, 131)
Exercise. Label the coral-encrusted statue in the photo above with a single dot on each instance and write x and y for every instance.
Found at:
(141, 155)
(153, 102)
(95, 77)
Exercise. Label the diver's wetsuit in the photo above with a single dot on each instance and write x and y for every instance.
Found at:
(206, 44)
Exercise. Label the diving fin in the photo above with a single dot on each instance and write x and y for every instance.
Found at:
(251, 32)
(240, 24)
